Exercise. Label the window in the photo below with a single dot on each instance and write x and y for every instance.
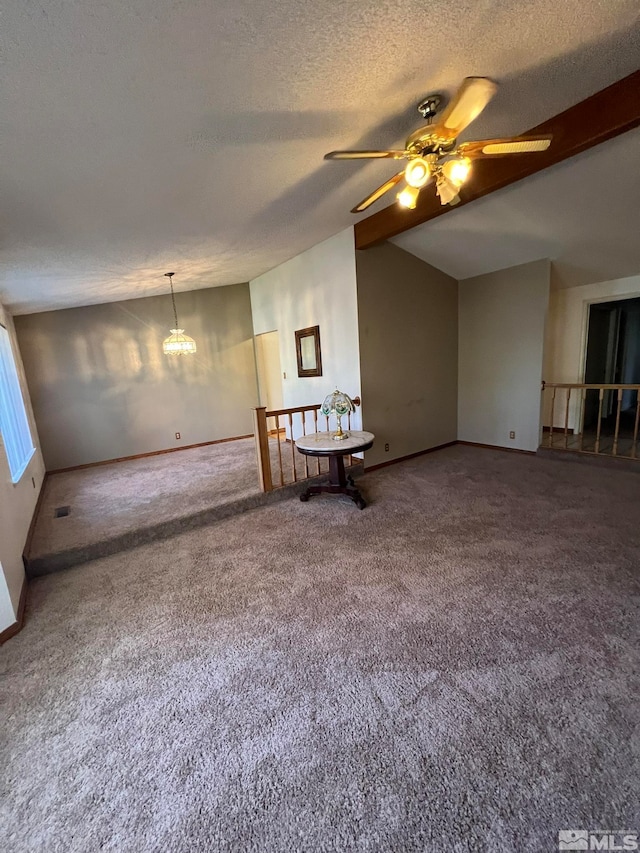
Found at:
(14, 426)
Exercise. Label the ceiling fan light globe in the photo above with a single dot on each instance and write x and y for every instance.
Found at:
(447, 190)
(457, 170)
(408, 197)
(417, 172)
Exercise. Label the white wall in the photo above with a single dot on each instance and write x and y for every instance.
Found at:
(501, 339)
(567, 328)
(316, 288)
(566, 338)
(17, 503)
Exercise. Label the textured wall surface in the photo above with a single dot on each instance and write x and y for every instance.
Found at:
(408, 317)
(102, 388)
(501, 331)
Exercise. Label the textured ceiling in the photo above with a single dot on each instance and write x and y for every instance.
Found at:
(582, 213)
(144, 135)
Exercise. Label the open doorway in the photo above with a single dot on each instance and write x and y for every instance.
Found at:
(613, 357)
(269, 373)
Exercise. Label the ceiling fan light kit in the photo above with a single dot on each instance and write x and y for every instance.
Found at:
(418, 172)
(447, 190)
(408, 197)
(433, 150)
(457, 170)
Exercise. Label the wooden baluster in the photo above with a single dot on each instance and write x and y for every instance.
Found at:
(326, 418)
(279, 450)
(635, 429)
(617, 430)
(582, 405)
(566, 420)
(315, 426)
(553, 405)
(601, 398)
(293, 449)
(304, 432)
(262, 448)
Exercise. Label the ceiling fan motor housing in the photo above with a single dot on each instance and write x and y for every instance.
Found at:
(429, 107)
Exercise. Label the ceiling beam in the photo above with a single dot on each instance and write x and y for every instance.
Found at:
(602, 116)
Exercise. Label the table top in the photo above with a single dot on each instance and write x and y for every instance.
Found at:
(323, 443)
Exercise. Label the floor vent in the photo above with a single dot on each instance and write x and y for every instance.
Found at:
(61, 511)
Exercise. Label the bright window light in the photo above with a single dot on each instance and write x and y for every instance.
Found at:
(14, 426)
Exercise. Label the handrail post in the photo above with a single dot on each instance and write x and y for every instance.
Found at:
(261, 416)
(262, 448)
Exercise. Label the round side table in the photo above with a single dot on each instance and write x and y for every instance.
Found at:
(323, 444)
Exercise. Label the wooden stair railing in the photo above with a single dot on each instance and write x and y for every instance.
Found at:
(288, 456)
(558, 398)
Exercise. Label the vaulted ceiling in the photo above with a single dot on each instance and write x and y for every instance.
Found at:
(582, 213)
(139, 136)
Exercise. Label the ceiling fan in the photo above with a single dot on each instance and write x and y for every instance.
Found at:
(432, 150)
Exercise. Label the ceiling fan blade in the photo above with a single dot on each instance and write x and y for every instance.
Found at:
(471, 98)
(365, 155)
(376, 194)
(499, 147)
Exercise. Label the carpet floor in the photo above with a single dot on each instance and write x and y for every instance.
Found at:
(453, 669)
(117, 506)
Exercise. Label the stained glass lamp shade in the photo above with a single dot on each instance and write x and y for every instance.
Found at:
(177, 343)
(338, 404)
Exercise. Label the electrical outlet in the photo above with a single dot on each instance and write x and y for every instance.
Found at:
(386, 447)
(512, 434)
(178, 436)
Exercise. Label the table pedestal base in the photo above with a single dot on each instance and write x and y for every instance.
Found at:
(339, 484)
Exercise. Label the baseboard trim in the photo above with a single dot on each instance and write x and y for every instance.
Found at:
(145, 455)
(409, 456)
(441, 447)
(497, 447)
(32, 526)
(12, 630)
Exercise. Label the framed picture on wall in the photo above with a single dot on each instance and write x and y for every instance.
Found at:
(308, 351)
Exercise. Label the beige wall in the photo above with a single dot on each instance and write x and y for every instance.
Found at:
(102, 388)
(501, 330)
(408, 318)
(17, 503)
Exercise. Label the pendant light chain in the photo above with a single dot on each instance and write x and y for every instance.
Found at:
(173, 302)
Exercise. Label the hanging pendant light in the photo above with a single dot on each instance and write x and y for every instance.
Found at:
(177, 343)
